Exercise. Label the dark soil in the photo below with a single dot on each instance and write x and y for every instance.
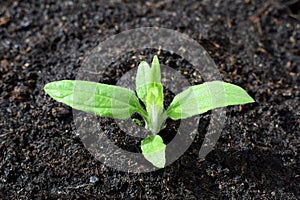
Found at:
(256, 44)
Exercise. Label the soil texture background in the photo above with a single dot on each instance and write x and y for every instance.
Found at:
(255, 44)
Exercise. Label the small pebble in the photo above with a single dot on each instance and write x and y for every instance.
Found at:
(94, 179)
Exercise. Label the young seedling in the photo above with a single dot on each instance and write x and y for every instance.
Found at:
(121, 103)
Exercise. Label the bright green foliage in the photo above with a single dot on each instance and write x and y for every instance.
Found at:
(101, 99)
(153, 149)
(137, 122)
(142, 80)
(117, 102)
(150, 91)
(207, 96)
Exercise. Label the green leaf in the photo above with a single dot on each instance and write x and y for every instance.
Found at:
(150, 90)
(155, 75)
(154, 106)
(142, 80)
(207, 96)
(154, 150)
(148, 83)
(101, 99)
(137, 122)
(155, 98)
(155, 93)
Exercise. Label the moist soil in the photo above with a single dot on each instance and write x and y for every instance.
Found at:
(255, 45)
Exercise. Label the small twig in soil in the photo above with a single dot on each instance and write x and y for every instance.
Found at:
(159, 4)
(4, 20)
(3, 135)
(80, 186)
(259, 11)
(255, 18)
(209, 191)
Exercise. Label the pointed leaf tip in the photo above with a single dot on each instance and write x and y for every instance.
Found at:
(101, 99)
(155, 74)
(199, 99)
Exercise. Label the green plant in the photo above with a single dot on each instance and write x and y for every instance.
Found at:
(118, 102)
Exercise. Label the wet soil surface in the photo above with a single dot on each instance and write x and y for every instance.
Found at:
(255, 44)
